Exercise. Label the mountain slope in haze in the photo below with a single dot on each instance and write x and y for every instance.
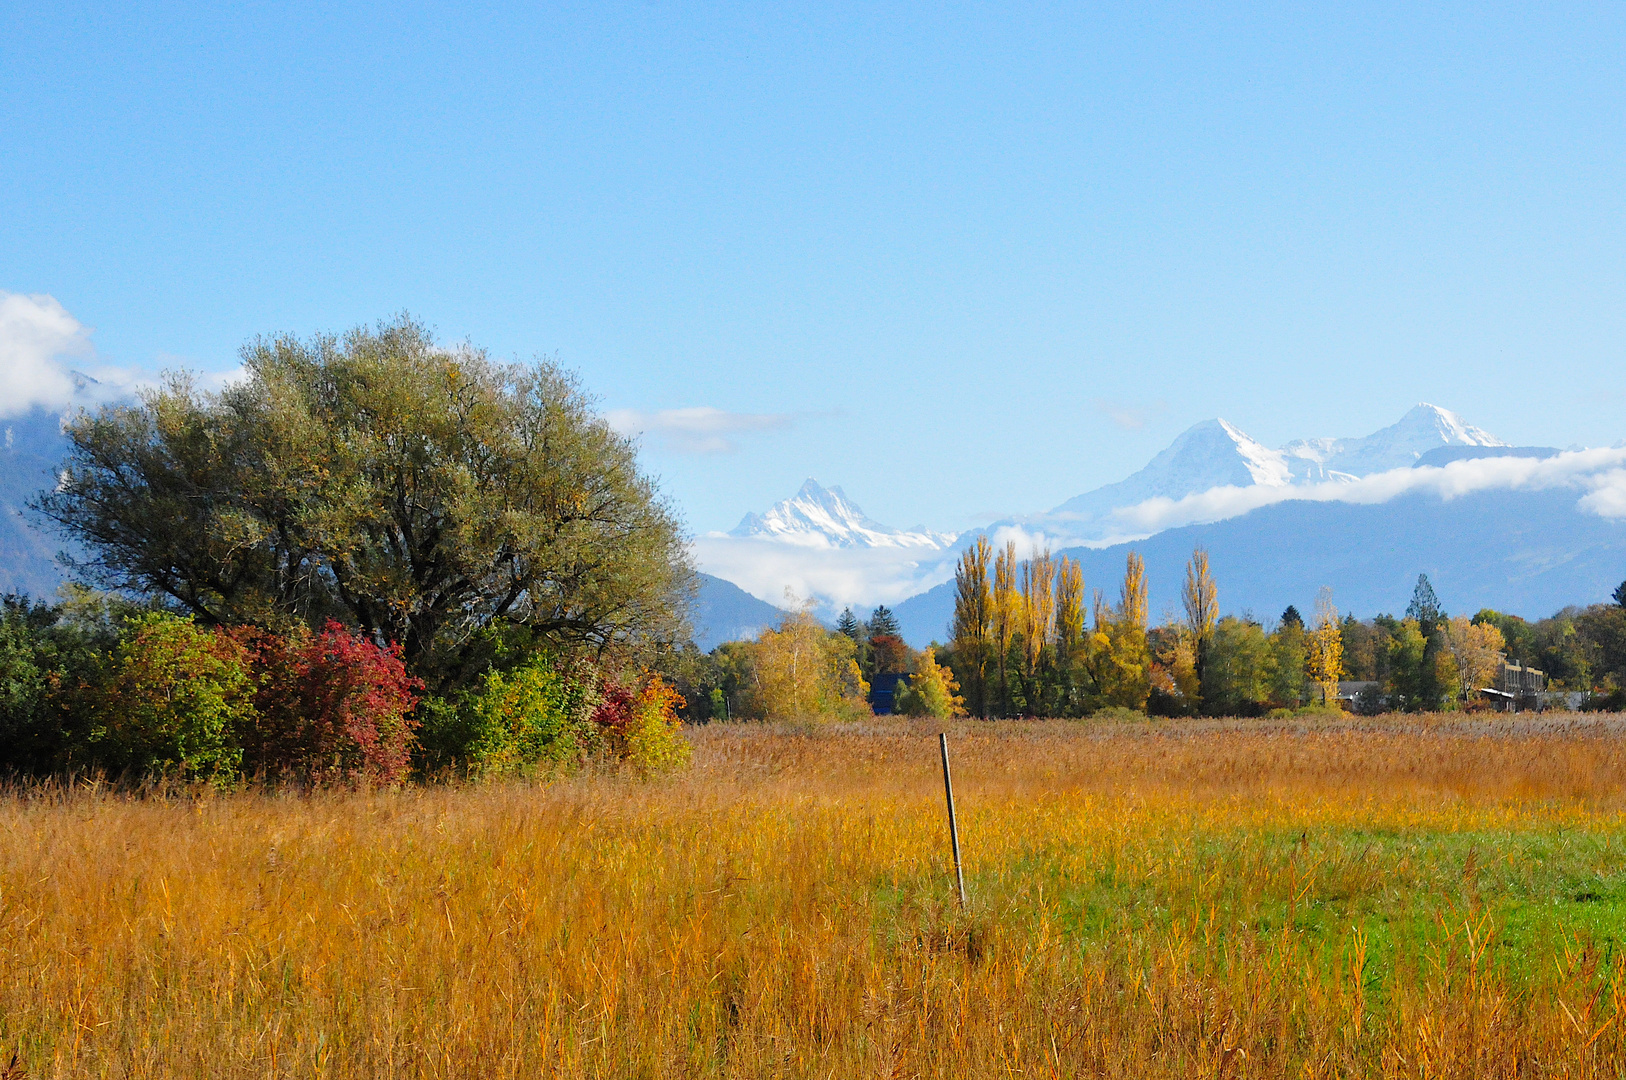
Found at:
(725, 612)
(1528, 552)
(821, 547)
(824, 517)
(31, 447)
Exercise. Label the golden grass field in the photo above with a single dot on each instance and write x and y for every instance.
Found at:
(1390, 897)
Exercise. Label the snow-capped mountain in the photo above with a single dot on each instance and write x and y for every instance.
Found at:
(824, 517)
(1217, 454)
(1398, 446)
(1211, 454)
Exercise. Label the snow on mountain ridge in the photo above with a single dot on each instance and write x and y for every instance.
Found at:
(824, 517)
(1214, 453)
(822, 547)
(1423, 428)
(1266, 466)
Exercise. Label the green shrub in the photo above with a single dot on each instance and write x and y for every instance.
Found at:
(53, 662)
(1118, 714)
(173, 701)
(522, 719)
(25, 730)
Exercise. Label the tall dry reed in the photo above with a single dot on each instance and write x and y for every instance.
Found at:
(1339, 898)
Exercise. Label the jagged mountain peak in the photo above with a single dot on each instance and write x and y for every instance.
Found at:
(821, 516)
(1219, 437)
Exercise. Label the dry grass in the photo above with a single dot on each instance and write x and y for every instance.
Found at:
(1372, 898)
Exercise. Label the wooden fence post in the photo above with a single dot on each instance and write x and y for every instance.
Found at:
(954, 827)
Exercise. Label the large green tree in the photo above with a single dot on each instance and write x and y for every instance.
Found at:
(425, 495)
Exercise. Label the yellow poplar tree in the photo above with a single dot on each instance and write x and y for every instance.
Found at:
(1202, 607)
(1007, 611)
(1120, 662)
(1477, 649)
(1324, 648)
(1069, 610)
(1038, 606)
(1201, 597)
(1132, 598)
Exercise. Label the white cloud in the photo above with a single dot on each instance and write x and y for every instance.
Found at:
(47, 359)
(698, 430)
(1029, 542)
(1599, 473)
(37, 336)
(832, 577)
(1608, 495)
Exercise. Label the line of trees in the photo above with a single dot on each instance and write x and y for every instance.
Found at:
(799, 670)
(1028, 640)
(374, 557)
(1024, 641)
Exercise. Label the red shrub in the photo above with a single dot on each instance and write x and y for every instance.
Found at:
(616, 715)
(331, 706)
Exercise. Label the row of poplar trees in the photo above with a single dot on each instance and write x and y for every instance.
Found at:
(1022, 644)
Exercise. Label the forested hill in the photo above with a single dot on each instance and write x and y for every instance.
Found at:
(1528, 553)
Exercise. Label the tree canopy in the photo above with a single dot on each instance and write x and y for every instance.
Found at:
(419, 493)
(882, 623)
(1425, 605)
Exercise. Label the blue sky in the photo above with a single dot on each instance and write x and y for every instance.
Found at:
(964, 261)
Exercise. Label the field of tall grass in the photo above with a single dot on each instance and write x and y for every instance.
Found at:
(1386, 897)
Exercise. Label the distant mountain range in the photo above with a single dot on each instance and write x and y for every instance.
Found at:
(1423, 430)
(1525, 529)
(1216, 454)
(1527, 552)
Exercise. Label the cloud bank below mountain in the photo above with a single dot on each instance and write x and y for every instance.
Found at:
(786, 574)
(1599, 474)
(46, 356)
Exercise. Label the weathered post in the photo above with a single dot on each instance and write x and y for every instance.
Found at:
(954, 827)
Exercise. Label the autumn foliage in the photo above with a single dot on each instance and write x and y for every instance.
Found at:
(642, 727)
(177, 700)
(329, 706)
